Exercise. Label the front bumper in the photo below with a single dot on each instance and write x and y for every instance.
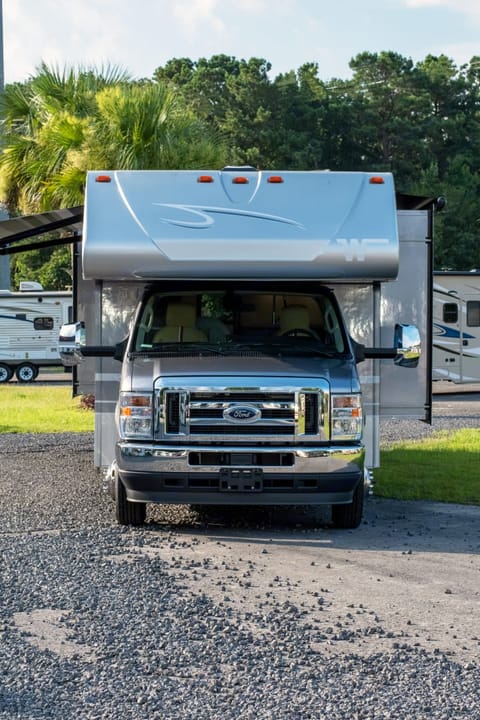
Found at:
(229, 475)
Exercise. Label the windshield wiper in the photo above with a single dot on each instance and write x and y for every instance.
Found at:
(180, 347)
(314, 348)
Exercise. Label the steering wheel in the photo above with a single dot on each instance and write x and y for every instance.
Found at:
(300, 331)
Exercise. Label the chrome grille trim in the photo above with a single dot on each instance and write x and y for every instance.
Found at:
(286, 414)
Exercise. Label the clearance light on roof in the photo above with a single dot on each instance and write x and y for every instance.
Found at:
(275, 179)
(205, 179)
(376, 180)
(103, 178)
(240, 180)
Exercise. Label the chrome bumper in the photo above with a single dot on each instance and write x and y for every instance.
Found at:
(234, 474)
(141, 457)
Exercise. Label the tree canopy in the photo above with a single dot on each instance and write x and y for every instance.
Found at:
(418, 120)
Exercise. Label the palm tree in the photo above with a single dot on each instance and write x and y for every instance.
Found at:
(58, 125)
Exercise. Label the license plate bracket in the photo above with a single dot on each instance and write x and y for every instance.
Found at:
(247, 480)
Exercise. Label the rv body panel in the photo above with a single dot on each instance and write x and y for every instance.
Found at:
(456, 326)
(406, 393)
(30, 323)
(371, 312)
(108, 311)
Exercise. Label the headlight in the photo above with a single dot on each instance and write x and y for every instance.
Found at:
(347, 417)
(135, 415)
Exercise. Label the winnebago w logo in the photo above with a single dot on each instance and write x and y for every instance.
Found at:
(356, 248)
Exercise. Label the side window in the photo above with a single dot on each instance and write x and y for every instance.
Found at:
(43, 323)
(331, 324)
(473, 313)
(145, 326)
(450, 313)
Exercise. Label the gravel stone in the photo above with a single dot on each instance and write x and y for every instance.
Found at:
(99, 621)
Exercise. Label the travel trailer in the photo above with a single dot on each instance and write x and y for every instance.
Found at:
(456, 326)
(30, 322)
(244, 331)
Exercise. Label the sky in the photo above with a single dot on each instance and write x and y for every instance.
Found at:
(140, 35)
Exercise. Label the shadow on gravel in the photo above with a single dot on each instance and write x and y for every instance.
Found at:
(389, 525)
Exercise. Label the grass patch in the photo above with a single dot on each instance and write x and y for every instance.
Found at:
(42, 409)
(443, 468)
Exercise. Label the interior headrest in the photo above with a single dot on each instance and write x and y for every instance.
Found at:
(294, 316)
(180, 314)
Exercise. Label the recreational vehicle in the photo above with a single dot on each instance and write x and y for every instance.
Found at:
(30, 322)
(456, 326)
(243, 332)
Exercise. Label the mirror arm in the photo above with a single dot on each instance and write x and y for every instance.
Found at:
(381, 353)
(97, 350)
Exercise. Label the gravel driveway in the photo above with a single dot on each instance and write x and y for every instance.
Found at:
(244, 614)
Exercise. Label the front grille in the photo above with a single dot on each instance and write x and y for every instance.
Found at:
(236, 459)
(172, 412)
(311, 414)
(223, 414)
(238, 430)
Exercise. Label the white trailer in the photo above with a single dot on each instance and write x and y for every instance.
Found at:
(238, 329)
(30, 322)
(456, 326)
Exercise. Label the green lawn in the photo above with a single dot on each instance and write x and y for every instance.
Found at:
(40, 409)
(446, 468)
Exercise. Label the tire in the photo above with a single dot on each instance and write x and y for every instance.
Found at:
(350, 515)
(6, 373)
(126, 512)
(26, 372)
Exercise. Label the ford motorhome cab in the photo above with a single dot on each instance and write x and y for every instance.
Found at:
(243, 332)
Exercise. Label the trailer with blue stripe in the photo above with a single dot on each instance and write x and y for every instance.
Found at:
(456, 326)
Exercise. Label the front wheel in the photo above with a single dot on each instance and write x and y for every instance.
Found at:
(350, 515)
(26, 372)
(6, 373)
(128, 513)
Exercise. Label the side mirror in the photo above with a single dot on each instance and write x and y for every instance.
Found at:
(408, 343)
(70, 341)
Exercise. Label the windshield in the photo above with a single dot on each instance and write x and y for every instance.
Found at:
(232, 322)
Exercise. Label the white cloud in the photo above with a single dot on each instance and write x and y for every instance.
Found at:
(470, 8)
(192, 14)
(140, 35)
(59, 34)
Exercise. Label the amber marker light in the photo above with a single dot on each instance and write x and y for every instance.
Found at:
(205, 179)
(376, 180)
(275, 179)
(103, 178)
(240, 180)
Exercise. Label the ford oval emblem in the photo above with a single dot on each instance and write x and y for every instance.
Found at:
(242, 414)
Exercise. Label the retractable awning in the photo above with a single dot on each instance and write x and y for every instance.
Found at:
(32, 226)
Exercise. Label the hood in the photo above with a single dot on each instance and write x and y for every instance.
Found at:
(340, 373)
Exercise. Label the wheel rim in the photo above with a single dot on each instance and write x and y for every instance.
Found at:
(26, 373)
(4, 374)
